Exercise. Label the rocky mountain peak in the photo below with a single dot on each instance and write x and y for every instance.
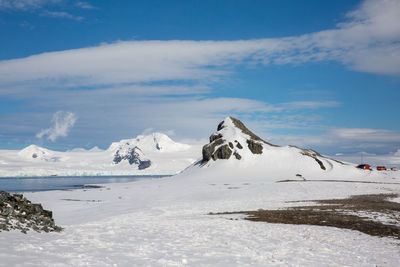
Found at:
(131, 154)
(232, 138)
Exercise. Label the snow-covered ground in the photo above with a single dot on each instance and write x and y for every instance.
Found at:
(166, 222)
(166, 156)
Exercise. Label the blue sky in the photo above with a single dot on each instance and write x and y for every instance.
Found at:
(317, 74)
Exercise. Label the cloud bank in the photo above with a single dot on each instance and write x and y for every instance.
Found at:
(368, 41)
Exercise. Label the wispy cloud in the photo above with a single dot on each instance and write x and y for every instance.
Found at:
(85, 5)
(41, 7)
(25, 4)
(62, 122)
(61, 14)
(366, 135)
(310, 104)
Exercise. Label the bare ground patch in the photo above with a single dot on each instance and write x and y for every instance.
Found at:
(371, 214)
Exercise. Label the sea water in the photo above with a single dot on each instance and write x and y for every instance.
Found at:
(35, 184)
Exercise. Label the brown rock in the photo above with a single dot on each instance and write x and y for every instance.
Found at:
(223, 152)
(255, 147)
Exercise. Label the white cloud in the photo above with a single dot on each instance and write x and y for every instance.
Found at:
(368, 41)
(310, 104)
(41, 7)
(342, 139)
(366, 135)
(62, 123)
(85, 5)
(25, 4)
(61, 14)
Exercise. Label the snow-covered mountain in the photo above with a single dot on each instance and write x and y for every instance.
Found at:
(146, 154)
(37, 153)
(134, 151)
(235, 149)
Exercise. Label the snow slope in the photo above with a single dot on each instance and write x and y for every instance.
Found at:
(165, 222)
(146, 154)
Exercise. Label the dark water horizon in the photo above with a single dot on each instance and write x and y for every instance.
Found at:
(48, 183)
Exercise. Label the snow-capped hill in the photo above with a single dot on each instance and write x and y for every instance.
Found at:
(235, 147)
(232, 139)
(155, 142)
(34, 152)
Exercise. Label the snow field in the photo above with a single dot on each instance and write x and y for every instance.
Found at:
(165, 222)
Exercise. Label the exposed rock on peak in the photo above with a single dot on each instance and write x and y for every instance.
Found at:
(227, 141)
(133, 155)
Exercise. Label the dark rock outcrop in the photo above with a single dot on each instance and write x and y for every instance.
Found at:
(255, 147)
(223, 152)
(215, 136)
(144, 164)
(133, 156)
(19, 213)
(209, 149)
(238, 145)
(237, 156)
(219, 148)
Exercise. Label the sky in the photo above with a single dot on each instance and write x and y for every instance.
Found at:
(316, 74)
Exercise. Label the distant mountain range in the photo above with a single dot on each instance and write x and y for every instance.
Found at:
(146, 154)
(231, 147)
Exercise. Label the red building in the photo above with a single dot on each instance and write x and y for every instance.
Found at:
(364, 166)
